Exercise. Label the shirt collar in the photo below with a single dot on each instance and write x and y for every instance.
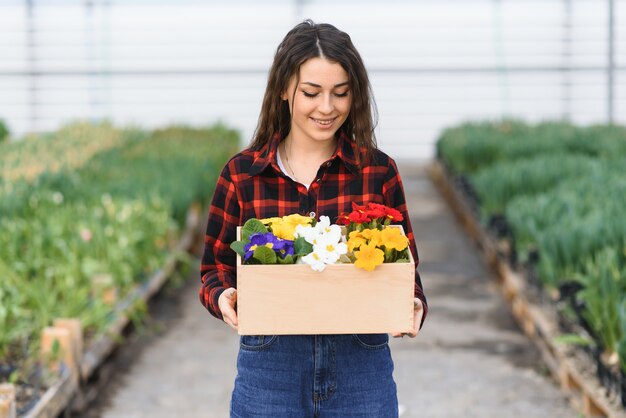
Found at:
(266, 155)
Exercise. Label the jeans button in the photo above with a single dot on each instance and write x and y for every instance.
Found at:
(312, 214)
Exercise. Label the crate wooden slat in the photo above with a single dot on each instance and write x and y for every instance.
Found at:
(56, 398)
(7, 401)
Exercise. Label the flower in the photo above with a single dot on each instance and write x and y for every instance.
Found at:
(366, 236)
(368, 257)
(371, 215)
(326, 240)
(355, 240)
(281, 247)
(285, 227)
(300, 239)
(393, 239)
(315, 261)
(393, 215)
(359, 217)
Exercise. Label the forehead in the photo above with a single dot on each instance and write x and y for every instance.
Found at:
(323, 72)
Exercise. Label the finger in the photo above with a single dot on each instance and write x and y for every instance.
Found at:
(230, 319)
(396, 334)
(231, 314)
(231, 294)
(227, 302)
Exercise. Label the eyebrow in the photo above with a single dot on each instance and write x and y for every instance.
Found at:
(310, 83)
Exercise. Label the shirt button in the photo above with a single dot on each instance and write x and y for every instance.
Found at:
(328, 164)
(312, 214)
(319, 180)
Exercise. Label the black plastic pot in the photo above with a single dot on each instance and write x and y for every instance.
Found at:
(568, 290)
(535, 285)
(499, 227)
(6, 370)
(612, 381)
(462, 183)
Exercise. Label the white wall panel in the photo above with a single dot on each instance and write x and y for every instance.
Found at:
(431, 63)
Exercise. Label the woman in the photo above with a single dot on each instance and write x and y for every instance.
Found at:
(313, 153)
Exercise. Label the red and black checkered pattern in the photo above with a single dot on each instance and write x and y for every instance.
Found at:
(252, 185)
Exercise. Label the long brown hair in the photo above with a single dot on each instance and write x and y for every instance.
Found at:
(305, 41)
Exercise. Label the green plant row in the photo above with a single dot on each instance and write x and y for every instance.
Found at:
(68, 148)
(472, 146)
(569, 223)
(47, 262)
(4, 131)
(562, 190)
(114, 214)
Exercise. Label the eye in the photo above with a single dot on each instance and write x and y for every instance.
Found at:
(344, 94)
(307, 94)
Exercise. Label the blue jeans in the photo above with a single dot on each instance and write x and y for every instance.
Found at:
(306, 376)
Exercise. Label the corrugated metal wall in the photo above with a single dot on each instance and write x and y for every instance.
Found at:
(432, 63)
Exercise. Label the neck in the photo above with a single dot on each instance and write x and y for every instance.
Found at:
(309, 150)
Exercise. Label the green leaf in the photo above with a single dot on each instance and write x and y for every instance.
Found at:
(572, 339)
(237, 247)
(287, 260)
(402, 260)
(252, 226)
(265, 255)
(302, 247)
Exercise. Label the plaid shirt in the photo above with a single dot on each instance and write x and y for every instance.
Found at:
(252, 185)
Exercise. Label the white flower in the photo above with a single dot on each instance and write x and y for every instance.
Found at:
(329, 249)
(328, 245)
(309, 233)
(315, 261)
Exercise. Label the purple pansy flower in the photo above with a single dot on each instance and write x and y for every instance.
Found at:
(281, 247)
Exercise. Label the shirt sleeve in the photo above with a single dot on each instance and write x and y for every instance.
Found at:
(218, 269)
(393, 192)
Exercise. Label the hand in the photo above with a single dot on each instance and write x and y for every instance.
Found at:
(417, 320)
(227, 302)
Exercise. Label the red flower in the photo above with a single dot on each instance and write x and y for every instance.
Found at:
(358, 217)
(356, 207)
(393, 214)
(343, 219)
(375, 210)
(368, 213)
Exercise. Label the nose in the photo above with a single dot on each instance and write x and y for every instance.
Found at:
(327, 105)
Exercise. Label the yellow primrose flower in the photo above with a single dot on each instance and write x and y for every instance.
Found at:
(297, 219)
(355, 240)
(283, 230)
(368, 257)
(393, 239)
(285, 227)
(372, 236)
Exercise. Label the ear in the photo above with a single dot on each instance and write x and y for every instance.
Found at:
(284, 96)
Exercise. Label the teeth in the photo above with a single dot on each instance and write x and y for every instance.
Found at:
(324, 122)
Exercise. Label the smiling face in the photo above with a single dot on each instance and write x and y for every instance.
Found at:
(320, 102)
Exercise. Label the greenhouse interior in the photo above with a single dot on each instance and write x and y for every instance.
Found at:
(459, 198)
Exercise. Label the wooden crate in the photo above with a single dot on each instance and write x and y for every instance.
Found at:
(342, 299)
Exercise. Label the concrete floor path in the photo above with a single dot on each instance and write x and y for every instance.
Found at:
(470, 360)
